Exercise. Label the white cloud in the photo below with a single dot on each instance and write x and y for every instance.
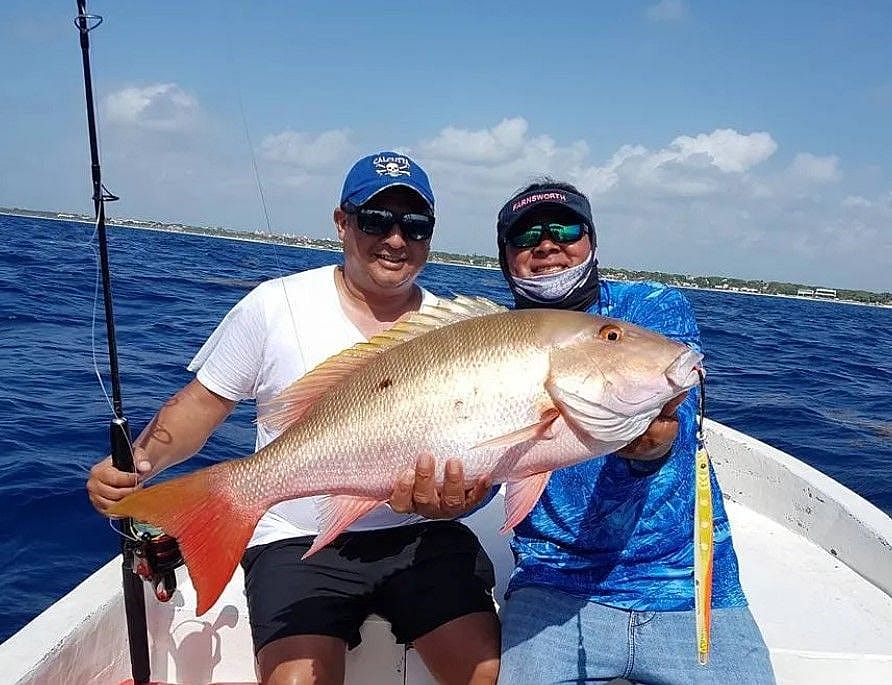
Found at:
(716, 202)
(477, 160)
(488, 146)
(856, 201)
(688, 167)
(863, 230)
(307, 150)
(706, 202)
(667, 10)
(879, 208)
(811, 168)
(727, 150)
(488, 163)
(159, 107)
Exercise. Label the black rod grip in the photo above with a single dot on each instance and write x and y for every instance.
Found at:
(137, 636)
(121, 451)
(134, 597)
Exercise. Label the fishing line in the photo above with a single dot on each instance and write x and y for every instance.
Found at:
(263, 204)
(702, 406)
(241, 104)
(96, 289)
(123, 531)
(93, 320)
(128, 534)
(93, 238)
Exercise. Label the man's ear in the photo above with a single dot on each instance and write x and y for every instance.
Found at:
(340, 219)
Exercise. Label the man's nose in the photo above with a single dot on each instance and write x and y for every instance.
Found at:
(546, 245)
(395, 237)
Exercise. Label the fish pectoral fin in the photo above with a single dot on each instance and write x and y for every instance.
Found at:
(521, 496)
(336, 513)
(537, 431)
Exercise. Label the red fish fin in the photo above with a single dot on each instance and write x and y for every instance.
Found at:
(521, 496)
(295, 400)
(210, 522)
(536, 431)
(336, 513)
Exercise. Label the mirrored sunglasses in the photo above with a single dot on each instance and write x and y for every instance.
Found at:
(558, 233)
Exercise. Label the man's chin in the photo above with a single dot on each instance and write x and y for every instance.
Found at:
(392, 275)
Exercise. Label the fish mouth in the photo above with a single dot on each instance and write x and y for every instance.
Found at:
(622, 399)
(684, 372)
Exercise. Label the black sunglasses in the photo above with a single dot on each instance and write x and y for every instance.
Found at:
(559, 233)
(378, 222)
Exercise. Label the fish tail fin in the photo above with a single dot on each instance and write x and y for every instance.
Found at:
(211, 521)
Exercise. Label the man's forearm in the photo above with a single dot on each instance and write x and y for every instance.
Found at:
(182, 426)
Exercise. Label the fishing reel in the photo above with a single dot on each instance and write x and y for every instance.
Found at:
(155, 558)
(149, 552)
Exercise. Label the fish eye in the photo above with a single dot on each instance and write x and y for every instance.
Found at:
(611, 332)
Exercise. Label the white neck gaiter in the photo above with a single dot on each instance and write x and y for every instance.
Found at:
(551, 288)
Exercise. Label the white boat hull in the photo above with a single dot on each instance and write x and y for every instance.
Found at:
(816, 565)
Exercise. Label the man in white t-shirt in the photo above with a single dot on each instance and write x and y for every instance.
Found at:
(430, 579)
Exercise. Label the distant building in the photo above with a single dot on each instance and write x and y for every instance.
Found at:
(827, 293)
(805, 292)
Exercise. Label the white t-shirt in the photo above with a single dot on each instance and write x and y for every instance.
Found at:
(273, 336)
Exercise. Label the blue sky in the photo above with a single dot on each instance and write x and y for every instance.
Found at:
(745, 139)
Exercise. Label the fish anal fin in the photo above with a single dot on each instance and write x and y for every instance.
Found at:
(521, 496)
(209, 520)
(336, 513)
(541, 430)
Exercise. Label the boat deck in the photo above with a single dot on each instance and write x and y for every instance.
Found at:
(822, 621)
(815, 563)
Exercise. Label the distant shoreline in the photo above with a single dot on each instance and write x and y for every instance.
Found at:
(788, 297)
(217, 234)
(246, 239)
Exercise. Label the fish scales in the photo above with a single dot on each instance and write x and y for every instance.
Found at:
(444, 393)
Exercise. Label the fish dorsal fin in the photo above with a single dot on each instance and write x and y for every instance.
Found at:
(289, 406)
(463, 307)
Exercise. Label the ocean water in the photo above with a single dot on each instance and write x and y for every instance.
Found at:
(811, 378)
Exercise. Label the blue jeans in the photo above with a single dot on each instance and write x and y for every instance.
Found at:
(552, 637)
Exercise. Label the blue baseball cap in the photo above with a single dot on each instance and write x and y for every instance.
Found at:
(372, 174)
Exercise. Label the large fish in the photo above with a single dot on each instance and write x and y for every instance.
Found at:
(514, 394)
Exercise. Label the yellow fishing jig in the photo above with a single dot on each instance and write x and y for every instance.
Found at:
(703, 538)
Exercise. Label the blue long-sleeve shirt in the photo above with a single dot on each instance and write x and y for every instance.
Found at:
(615, 531)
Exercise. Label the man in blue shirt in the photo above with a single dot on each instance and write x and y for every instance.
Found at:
(603, 583)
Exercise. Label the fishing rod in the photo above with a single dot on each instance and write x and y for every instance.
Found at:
(147, 552)
(137, 548)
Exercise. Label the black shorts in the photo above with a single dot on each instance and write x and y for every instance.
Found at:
(417, 577)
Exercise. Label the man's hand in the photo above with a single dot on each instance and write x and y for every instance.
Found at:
(657, 440)
(108, 485)
(416, 490)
